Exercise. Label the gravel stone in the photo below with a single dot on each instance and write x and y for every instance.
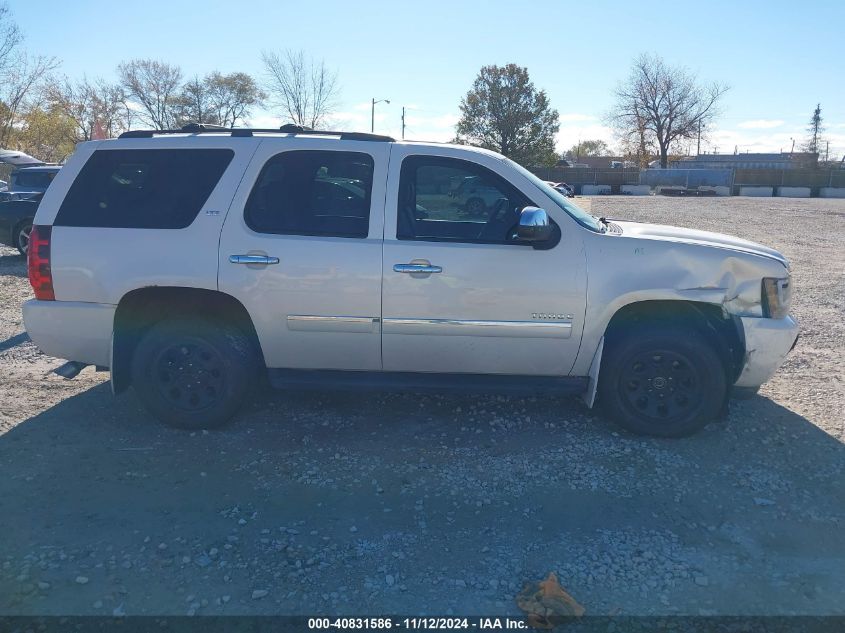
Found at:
(464, 499)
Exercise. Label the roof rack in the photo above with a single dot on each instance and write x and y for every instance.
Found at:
(204, 128)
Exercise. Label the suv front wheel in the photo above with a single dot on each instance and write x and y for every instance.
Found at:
(661, 380)
(193, 373)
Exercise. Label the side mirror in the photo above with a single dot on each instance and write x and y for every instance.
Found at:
(534, 225)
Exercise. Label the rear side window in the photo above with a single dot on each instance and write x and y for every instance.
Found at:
(143, 188)
(312, 193)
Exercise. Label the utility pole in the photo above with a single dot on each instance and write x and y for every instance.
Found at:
(698, 147)
(373, 112)
(403, 123)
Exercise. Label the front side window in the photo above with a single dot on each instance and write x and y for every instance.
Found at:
(312, 193)
(143, 188)
(445, 199)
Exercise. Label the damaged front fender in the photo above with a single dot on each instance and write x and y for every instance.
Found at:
(767, 342)
(624, 270)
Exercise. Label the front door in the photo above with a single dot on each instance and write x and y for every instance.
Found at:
(460, 294)
(301, 249)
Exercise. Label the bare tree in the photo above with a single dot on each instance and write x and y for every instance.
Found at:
(634, 144)
(94, 107)
(10, 37)
(662, 104)
(232, 96)
(303, 89)
(218, 99)
(152, 87)
(20, 75)
(193, 105)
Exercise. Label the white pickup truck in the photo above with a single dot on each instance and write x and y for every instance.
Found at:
(190, 261)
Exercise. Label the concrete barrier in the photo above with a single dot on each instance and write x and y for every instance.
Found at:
(832, 192)
(670, 188)
(592, 190)
(760, 192)
(717, 189)
(793, 192)
(636, 190)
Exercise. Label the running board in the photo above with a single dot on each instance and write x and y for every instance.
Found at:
(329, 379)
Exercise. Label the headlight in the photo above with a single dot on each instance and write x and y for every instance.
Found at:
(776, 295)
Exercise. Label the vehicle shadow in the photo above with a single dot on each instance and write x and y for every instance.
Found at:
(100, 505)
(13, 341)
(13, 263)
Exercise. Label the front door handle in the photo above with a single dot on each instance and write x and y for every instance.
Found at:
(416, 268)
(253, 259)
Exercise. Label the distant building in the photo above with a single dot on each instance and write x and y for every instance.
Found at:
(794, 160)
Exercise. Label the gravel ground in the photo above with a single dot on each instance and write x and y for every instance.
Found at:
(372, 503)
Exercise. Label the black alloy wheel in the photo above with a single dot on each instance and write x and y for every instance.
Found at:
(194, 373)
(666, 381)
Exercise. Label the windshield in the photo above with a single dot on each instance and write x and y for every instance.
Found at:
(578, 214)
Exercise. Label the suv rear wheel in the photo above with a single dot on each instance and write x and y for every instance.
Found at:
(193, 373)
(663, 381)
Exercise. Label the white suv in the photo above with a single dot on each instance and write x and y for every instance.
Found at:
(188, 262)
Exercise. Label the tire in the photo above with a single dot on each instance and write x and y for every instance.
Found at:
(22, 232)
(664, 381)
(194, 373)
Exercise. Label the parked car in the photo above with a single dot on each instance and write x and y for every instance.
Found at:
(16, 221)
(561, 188)
(30, 176)
(20, 200)
(475, 196)
(566, 190)
(32, 179)
(190, 262)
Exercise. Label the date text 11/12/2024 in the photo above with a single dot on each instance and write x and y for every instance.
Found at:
(431, 623)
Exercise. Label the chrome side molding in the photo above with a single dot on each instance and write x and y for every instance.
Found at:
(456, 327)
(319, 323)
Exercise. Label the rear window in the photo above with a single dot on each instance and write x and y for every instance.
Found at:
(143, 188)
(35, 179)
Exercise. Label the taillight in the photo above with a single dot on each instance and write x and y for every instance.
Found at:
(38, 253)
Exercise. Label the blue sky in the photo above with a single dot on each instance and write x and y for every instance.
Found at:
(780, 58)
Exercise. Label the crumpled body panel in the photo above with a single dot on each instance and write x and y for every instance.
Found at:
(650, 262)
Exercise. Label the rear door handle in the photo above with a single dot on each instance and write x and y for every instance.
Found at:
(416, 268)
(253, 259)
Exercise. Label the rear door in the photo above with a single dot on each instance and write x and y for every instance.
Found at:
(301, 249)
